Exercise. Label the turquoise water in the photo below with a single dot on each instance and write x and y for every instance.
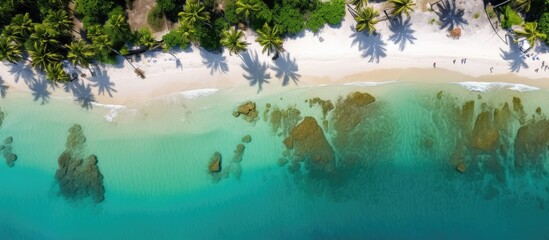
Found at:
(396, 168)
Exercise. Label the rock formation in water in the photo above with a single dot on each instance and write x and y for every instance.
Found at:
(214, 166)
(247, 139)
(282, 120)
(1, 117)
(238, 153)
(311, 147)
(79, 177)
(531, 145)
(7, 152)
(248, 111)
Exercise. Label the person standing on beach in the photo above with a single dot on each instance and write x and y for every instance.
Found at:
(491, 69)
(435, 65)
(454, 61)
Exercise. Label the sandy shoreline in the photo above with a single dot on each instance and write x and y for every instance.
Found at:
(404, 51)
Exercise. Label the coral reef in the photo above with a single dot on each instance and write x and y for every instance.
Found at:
(311, 147)
(248, 110)
(79, 177)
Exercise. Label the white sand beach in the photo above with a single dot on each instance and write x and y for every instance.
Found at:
(404, 50)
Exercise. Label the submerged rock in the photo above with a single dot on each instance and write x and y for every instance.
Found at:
(10, 159)
(8, 140)
(247, 139)
(248, 110)
(79, 177)
(215, 163)
(311, 146)
(485, 136)
(461, 167)
(238, 153)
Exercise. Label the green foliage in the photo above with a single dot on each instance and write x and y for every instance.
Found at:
(232, 40)
(155, 19)
(490, 11)
(118, 31)
(366, 19)
(262, 16)
(170, 8)
(510, 18)
(402, 6)
(146, 38)
(175, 38)
(194, 12)
(9, 51)
(331, 12)
(55, 72)
(80, 53)
(530, 32)
(230, 12)
(210, 37)
(269, 39)
(93, 11)
(543, 25)
(289, 19)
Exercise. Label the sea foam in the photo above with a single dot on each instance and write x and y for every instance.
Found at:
(113, 110)
(191, 94)
(486, 86)
(367, 84)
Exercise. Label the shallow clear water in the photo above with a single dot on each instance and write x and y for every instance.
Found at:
(395, 174)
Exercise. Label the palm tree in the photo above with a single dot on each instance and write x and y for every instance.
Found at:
(359, 4)
(194, 12)
(80, 53)
(59, 20)
(366, 19)
(188, 32)
(118, 24)
(44, 34)
(521, 5)
(146, 38)
(246, 8)
(9, 51)
(42, 56)
(20, 28)
(269, 39)
(55, 72)
(232, 40)
(402, 6)
(530, 32)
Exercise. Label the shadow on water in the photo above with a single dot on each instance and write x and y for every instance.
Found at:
(3, 88)
(215, 62)
(82, 93)
(39, 89)
(103, 83)
(372, 46)
(402, 32)
(450, 15)
(254, 70)
(24, 71)
(514, 56)
(286, 68)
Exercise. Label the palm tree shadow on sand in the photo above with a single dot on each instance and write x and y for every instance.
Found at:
(3, 88)
(371, 45)
(23, 71)
(216, 62)
(39, 89)
(514, 56)
(450, 15)
(402, 32)
(254, 70)
(82, 93)
(286, 69)
(103, 83)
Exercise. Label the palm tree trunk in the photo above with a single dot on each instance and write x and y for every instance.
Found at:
(502, 3)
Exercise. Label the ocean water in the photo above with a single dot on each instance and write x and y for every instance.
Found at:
(439, 161)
